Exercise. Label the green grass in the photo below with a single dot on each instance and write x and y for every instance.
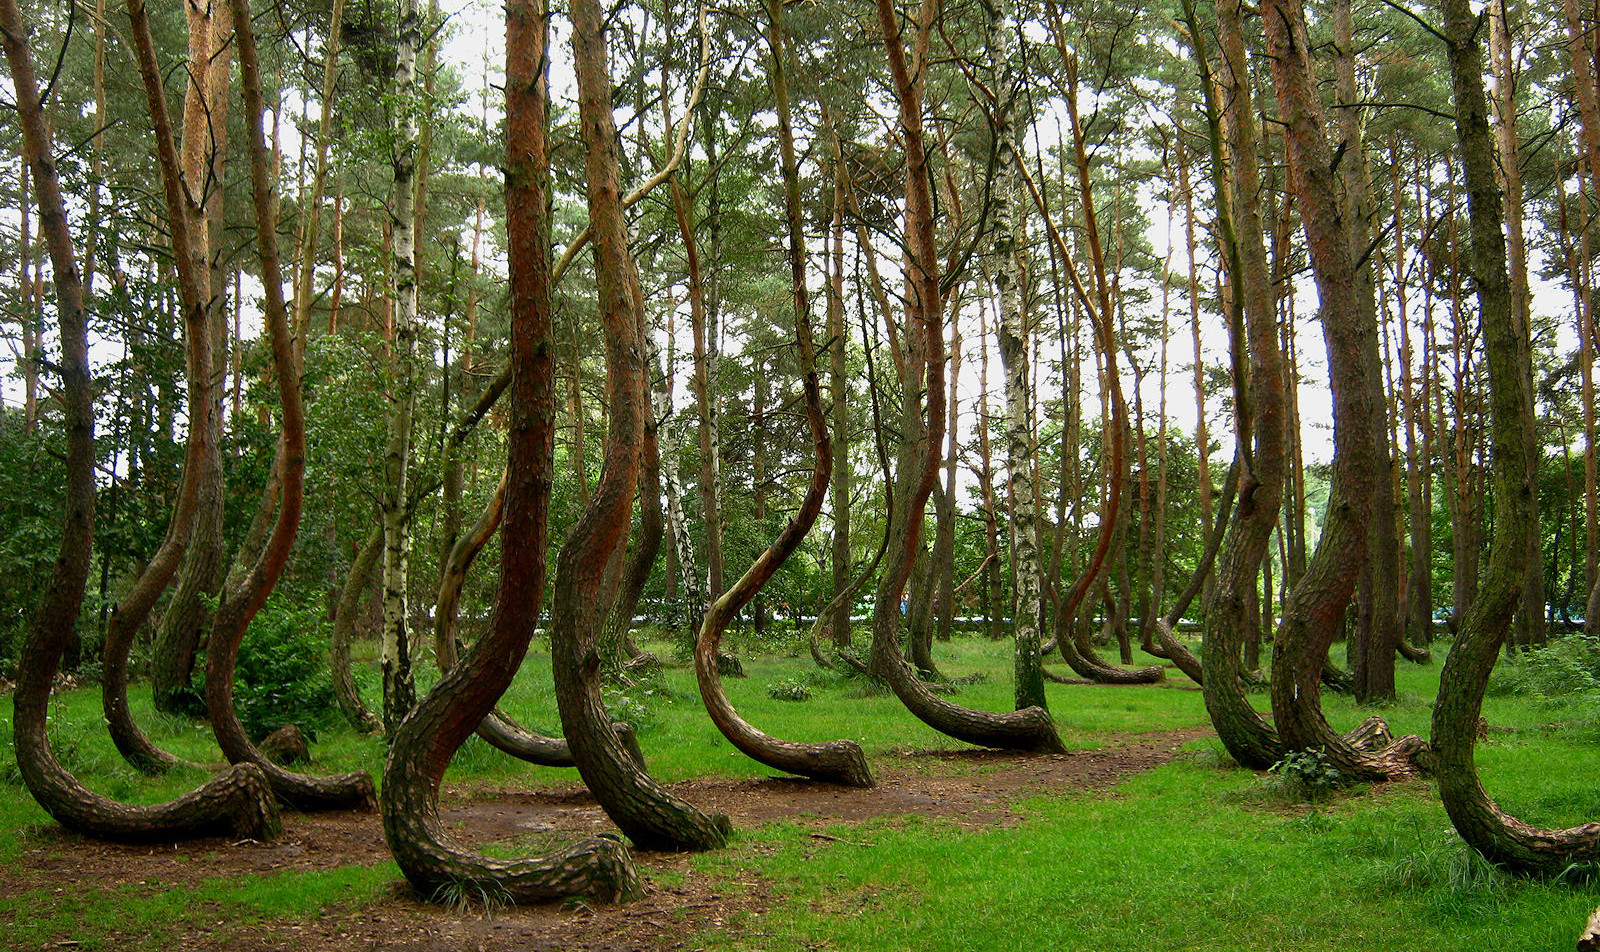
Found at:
(1194, 855)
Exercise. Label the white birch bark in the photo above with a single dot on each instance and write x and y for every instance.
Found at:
(1013, 332)
(399, 691)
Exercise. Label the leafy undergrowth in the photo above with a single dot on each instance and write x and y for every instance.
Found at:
(1196, 854)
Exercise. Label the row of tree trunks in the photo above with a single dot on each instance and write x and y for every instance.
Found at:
(422, 747)
(238, 801)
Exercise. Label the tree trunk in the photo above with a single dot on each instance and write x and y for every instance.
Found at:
(242, 603)
(840, 761)
(917, 466)
(645, 811)
(186, 225)
(1312, 618)
(421, 749)
(1379, 625)
(1015, 334)
(1501, 839)
(399, 688)
(236, 801)
(839, 394)
(184, 623)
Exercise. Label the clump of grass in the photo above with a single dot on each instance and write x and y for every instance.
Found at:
(461, 896)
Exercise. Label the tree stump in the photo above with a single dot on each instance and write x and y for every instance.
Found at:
(286, 746)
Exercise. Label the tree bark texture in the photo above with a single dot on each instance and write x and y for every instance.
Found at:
(1502, 839)
(236, 801)
(344, 625)
(421, 749)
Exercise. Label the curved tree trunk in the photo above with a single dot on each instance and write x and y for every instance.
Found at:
(1315, 608)
(645, 811)
(1502, 839)
(344, 626)
(187, 222)
(237, 801)
(422, 747)
(917, 465)
(840, 761)
(498, 729)
(1260, 458)
(305, 792)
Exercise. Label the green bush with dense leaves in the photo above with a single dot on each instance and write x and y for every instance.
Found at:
(282, 675)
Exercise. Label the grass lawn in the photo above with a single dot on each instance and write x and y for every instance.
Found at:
(1194, 854)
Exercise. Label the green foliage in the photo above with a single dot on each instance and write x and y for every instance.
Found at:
(282, 673)
(1307, 774)
(1563, 669)
(789, 689)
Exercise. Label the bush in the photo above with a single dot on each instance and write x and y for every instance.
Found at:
(788, 689)
(1307, 774)
(1563, 669)
(282, 673)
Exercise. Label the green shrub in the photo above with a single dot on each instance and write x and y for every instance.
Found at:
(1307, 774)
(282, 673)
(1563, 669)
(788, 689)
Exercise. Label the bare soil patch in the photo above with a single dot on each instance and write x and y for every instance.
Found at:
(974, 788)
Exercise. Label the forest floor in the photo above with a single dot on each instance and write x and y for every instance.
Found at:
(972, 788)
(1143, 835)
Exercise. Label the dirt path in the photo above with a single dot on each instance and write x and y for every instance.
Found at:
(974, 788)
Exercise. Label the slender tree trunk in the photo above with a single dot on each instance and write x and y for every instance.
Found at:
(839, 393)
(399, 688)
(344, 625)
(994, 604)
(242, 602)
(1015, 334)
(1530, 623)
(421, 749)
